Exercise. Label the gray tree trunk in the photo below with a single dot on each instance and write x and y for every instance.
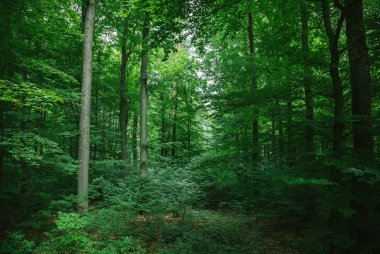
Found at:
(173, 151)
(134, 136)
(188, 121)
(163, 124)
(84, 123)
(123, 99)
(143, 99)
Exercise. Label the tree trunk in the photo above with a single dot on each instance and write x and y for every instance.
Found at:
(96, 83)
(280, 131)
(333, 38)
(188, 121)
(255, 122)
(143, 98)
(360, 78)
(163, 124)
(291, 145)
(134, 137)
(95, 147)
(175, 122)
(84, 123)
(363, 221)
(335, 217)
(310, 154)
(123, 99)
(273, 118)
(168, 135)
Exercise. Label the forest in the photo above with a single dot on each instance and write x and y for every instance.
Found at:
(190, 126)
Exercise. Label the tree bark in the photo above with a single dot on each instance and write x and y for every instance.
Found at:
(188, 121)
(84, 123)
(291, 145)
(169, 129)
(173, 150)
(163, 124)
(361, 126)
(310, 154)
(255, 122)
(134, 137)
(123, 99)
(274, 147)
(280, 131)
(143, 98)
(333, 38)
(360, 78)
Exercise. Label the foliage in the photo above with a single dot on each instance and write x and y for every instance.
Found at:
(205, 192)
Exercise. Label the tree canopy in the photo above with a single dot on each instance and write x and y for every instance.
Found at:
(189, 126)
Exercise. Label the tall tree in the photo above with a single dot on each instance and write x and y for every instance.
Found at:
(361, 120)
(188, 125)
(134, 136)
(123, 97)
(173, 150)
(333, 39)
(143, 97)
(360, 77)
(84, 123)
(307, 82)
(255, 121)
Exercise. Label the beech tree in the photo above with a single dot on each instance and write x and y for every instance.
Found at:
(252, 111)
(84, 123)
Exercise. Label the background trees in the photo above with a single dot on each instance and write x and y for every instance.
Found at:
(261, 120)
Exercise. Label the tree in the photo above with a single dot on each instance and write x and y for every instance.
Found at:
(333, 39)
(255, 121)
(360, 77)
(123, 98)
(307, 82)
(84, 123)
(143, 97)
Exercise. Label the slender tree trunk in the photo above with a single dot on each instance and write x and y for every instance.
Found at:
(123, 98)
(143, 98)
(188, 121)
(335, 217)
(95, 147)
(168, 135)
(280, 131)
(173, 152)
(310, 153)
(246, 157)
(333, 38)
(163, 124)
(134, 136)
(96, 83)
(255, 121)
(84, 123)
(274, 148)
(291, 145)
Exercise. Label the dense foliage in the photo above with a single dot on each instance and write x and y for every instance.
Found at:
(262, 126)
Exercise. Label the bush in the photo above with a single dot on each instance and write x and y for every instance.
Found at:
(16, 244)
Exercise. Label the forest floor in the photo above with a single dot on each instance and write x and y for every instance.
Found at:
(207, 231)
